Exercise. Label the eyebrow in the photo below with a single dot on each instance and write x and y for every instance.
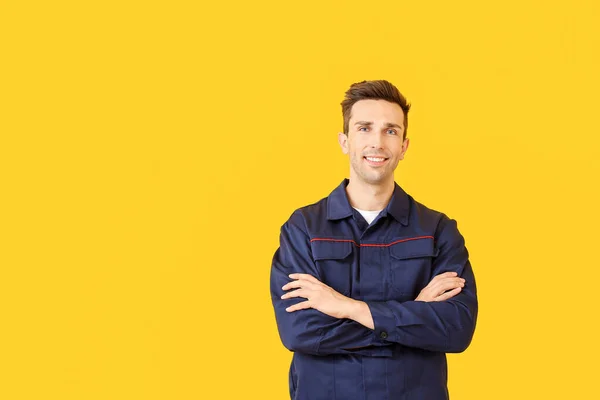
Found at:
(387, 125)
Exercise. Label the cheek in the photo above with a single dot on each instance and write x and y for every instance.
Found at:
(352, 149)
(398, 152)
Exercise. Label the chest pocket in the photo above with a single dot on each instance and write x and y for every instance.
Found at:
(410, 266)
(334, 262)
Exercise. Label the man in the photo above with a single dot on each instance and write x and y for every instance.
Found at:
(370, 287)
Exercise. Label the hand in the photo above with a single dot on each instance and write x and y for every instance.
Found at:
(319, 296)
(442, 287)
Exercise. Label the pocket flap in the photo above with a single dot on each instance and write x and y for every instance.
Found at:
(422, 247)
(330, 250)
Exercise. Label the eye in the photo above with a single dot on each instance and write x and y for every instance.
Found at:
(391, 132)
(360, 129)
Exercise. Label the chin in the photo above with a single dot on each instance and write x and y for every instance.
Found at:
(375, 180)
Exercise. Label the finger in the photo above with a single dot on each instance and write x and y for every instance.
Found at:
(444, 281)
(448, 295)
(307, 277)
(436, 279)
(298, 284)
(291, 285)
(447, 284)
(300, 306)
(448, 274)
(295, 293)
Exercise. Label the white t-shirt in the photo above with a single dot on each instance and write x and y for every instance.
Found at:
(369, 216)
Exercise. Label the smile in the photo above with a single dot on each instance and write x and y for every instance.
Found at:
(375, 161)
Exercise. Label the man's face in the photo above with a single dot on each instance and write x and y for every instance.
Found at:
(374, 142)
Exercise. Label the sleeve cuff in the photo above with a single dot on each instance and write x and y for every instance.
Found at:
(383, 320)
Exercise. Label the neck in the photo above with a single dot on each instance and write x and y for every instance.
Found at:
(369, 197)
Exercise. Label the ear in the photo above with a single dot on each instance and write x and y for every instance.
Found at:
(404, 148)
(343, 141)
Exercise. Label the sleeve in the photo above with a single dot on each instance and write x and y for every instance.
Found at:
(311, 331)
(445, 326)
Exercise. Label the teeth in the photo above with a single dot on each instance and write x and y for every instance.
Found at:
(375, 159)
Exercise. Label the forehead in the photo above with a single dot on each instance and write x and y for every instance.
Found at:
(377, 111)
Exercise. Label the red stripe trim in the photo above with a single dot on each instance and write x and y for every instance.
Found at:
(370, 244)
(334, 240)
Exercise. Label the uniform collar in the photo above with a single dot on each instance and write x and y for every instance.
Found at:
(338, 206)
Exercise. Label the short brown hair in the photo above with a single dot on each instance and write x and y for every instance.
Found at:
(376, 90)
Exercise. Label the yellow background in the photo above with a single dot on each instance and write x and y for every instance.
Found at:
(150, 152)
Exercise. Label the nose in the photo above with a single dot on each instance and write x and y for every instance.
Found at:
(376, 141)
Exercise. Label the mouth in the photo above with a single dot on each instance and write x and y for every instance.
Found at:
(375, 161)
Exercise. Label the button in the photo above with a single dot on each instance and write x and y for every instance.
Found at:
(383, 335)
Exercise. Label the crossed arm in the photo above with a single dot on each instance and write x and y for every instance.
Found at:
(316, 319)
(325, 299)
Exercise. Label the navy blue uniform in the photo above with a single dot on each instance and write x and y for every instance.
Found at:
(385, 264)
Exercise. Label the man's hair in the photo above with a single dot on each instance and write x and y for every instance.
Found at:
(376, 90)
